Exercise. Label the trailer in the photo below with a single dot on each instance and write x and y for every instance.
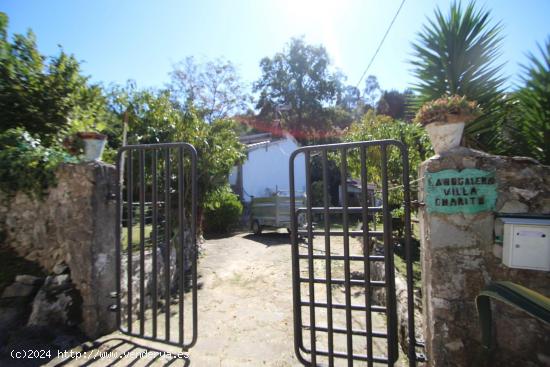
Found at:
(274, 212)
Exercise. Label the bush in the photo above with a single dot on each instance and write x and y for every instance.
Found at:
(26, 165)
(222, 210)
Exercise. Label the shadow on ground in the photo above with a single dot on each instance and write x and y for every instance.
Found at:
(45, 342)
(110, 352)
(270, 238)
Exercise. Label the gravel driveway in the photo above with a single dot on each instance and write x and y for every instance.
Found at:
(245, 309)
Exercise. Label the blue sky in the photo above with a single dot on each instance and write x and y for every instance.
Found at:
(119, 40)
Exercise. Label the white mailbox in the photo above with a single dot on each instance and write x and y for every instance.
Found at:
(526, 243)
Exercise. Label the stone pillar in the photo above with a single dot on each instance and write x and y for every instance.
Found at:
(460, 256)
(92, 261)
(73, 224)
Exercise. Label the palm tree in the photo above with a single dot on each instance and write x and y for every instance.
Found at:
(531, 135)
(455, 54)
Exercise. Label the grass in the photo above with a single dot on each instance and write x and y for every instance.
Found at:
(135, 236)
(12, 265)
(399, 259)
(401, 267)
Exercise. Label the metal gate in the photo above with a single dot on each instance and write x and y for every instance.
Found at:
(156, 246)
(335, 315)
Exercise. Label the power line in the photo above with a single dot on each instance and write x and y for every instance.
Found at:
(381, 43)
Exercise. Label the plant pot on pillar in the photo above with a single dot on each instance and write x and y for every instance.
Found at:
(94, 143)
(85, 139)
(444, 120)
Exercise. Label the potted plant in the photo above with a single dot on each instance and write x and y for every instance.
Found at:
(87, 138)
(444, 120)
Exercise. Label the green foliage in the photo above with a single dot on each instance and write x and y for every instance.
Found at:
(401, 262)
(372, 91)
(298, 78)
(222, 210)
(42, 100)
(398, 212)
(455, 54)
(530, 132)
(333, 178)
(377, 127)
(37, 93)
(317, 194)
(153, 117)
(394, 104)
(27, 165)
(447, 108)
(91, 113)
(349, 98)
(219, 150)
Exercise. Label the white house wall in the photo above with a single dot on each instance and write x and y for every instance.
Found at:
(266, 169)
(233, 176)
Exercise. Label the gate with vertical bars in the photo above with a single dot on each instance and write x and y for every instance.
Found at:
(156, 248)
(337, 320)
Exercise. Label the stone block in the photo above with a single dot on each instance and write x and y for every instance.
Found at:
(544, 206)
(56, 304)
(19, 290)
(28, 279)
(525, 193)
(60, 268)
(446, 231)
(514, 207)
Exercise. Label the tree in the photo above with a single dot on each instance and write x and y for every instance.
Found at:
(349, 98)
(154, 117)
(394, 104)
(41, 94)
(455, 54)
(372, 91)
(298, 77)
(41, 101)
(530, 134)
(377, 127)
(213, 88)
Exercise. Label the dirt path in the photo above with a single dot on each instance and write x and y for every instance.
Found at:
(245, 310)
(246, 303)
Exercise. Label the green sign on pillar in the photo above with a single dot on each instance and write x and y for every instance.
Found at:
(468, 191)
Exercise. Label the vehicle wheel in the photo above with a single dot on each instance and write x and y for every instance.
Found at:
(256, 227)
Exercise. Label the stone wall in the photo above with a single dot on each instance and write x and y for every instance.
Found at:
(73, 224)
(460, 257)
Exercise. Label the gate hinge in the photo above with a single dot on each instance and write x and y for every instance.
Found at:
(113, 308)
(111, 196)
(113, 294)
(417, 204)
